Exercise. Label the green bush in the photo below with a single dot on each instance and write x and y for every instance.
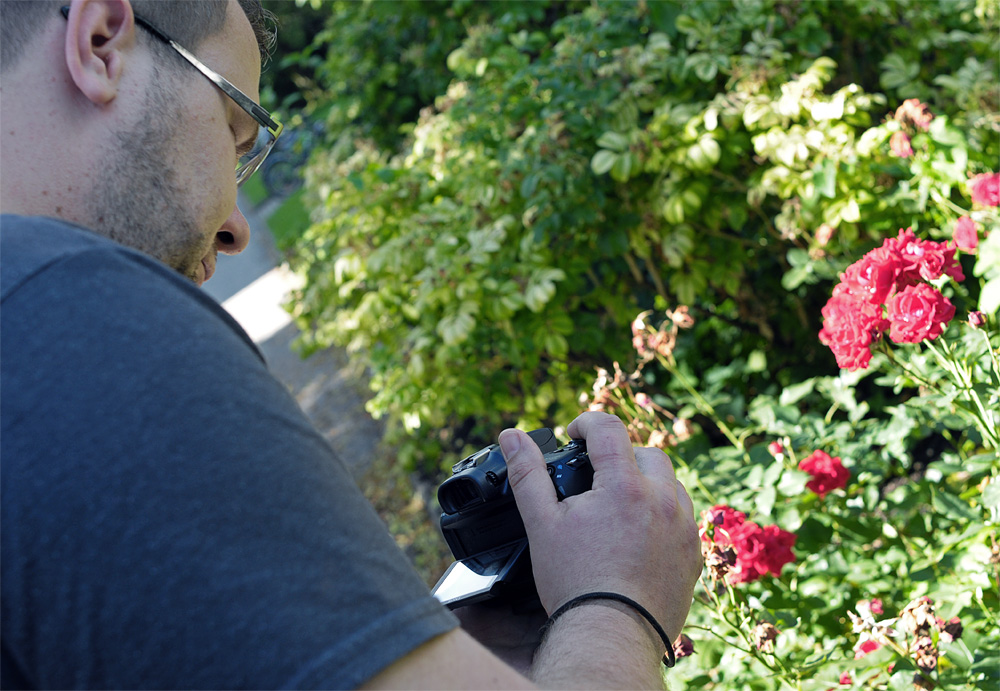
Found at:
(618, 158)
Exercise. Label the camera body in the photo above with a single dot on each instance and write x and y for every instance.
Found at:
(483, 527)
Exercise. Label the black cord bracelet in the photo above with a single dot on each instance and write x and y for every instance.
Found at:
(668, 657)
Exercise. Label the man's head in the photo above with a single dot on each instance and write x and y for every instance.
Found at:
(108, 126)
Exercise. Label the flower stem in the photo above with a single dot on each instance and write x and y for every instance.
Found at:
(703, 405)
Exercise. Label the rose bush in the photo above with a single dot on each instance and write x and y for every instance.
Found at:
(747, 217)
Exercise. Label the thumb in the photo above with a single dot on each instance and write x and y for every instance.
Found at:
(533, 490)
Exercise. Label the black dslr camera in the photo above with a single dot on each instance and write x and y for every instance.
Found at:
(484, 529)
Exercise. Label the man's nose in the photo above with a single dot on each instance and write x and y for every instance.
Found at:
(234, 235)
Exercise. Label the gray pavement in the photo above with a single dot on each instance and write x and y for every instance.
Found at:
(253, 286)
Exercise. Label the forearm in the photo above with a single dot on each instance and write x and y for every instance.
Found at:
(602, 644)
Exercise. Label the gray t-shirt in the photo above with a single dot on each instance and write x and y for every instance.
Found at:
(170, 518)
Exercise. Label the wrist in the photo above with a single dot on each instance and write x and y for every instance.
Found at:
(602, 644)
(631, 607)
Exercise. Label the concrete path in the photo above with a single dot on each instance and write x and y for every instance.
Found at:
(253, 286)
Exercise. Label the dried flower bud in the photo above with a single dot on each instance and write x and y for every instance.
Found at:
(976, 319)
(763, 636)
(644, 401)
(925, 653)
(824, 234)
(912, 112)
(683, 428)
(951, 630)
(659, 439)
(720, 559)
(918, 616)
(683, 647)
(681, 317)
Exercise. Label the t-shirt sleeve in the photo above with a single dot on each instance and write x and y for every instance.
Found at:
(170, 518)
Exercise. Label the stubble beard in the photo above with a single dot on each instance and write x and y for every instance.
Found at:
(139, 201)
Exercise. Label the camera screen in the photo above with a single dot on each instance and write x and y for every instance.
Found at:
(472, 579)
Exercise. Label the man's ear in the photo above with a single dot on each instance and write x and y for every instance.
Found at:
(97, 36)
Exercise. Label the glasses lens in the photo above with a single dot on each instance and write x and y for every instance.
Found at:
(250, 161)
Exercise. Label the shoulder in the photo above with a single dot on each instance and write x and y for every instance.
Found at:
(50, 262)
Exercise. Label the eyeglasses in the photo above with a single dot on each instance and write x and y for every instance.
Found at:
(268, 129)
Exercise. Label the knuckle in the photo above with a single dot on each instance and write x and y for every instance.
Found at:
(519, 473)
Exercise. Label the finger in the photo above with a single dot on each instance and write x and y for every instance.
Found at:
(608, 444)
(655, 464)
(534, 493)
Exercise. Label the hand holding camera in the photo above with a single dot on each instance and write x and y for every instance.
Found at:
(631, 531)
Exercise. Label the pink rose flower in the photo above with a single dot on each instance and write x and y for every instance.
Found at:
(827, 473)
(918, 312)
(965, 235)
(899, 144)
(985, 189)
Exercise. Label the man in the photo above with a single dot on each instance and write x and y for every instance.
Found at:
(170, 518)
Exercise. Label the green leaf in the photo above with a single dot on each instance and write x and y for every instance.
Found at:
(603, 161)
(991, 496)
(614, 141)
(989, 298)
(949, 505)
(794, 393)
(825, 178)
(621, 171)
(765, 500)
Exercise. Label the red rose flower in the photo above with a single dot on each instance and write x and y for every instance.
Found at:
(845, 679)
(985, 189)
(873, 276)
(899, 144)
(922, 259)
(865, 647)
(726, 520)
(827, 473)
(850, 326)
(965, 235)
(759, 551)
(918, 312)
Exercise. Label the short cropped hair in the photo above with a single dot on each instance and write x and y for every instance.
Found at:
(189, 23)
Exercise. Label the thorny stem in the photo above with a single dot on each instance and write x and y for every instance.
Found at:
(777, 667)
(981, 415)
(964, 380)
